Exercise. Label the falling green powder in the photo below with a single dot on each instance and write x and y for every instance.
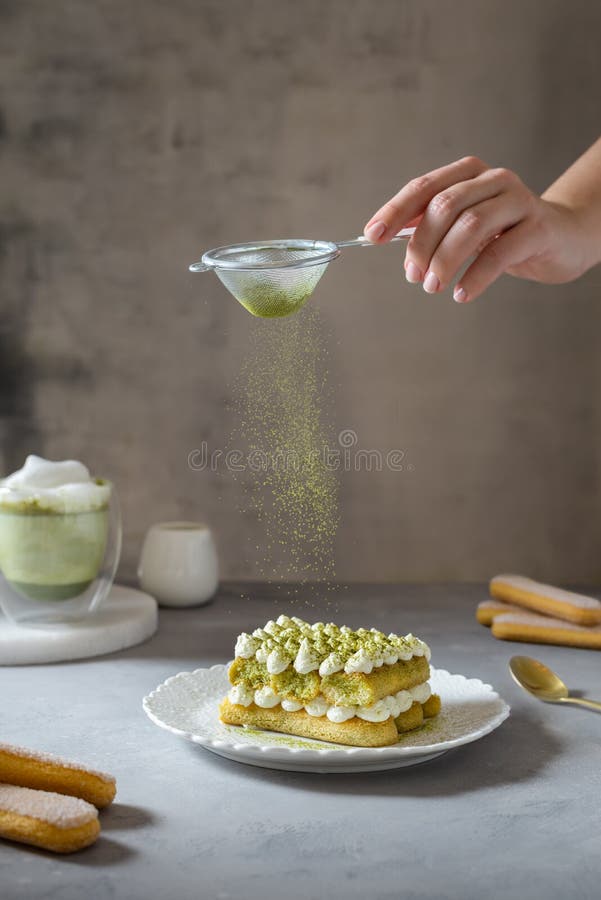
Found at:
(284, 416)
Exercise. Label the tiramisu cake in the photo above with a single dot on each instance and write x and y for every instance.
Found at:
(326, 682)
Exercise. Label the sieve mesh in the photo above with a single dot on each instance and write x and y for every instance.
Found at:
(272, 293)
(272, 279)
(266, 255)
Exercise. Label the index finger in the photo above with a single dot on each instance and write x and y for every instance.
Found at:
(414, 197)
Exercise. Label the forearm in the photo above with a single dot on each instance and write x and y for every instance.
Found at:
(579, 190)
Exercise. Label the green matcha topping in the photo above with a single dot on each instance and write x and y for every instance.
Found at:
(329, 648)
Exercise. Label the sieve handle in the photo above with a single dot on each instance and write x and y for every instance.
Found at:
(198, 267)
(361, 241)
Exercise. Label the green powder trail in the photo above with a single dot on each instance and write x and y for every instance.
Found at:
(284, 411)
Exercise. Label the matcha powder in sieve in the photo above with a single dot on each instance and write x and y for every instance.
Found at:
(290, 486)
(273, 295)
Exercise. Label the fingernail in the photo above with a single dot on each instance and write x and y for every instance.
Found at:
(375, 231)
(412, 273)
(431, 283)
(459, 295)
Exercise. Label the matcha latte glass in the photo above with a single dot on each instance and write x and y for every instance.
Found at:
(60, 538)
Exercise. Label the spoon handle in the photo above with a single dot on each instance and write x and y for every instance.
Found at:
(361, 241)
(580, 701)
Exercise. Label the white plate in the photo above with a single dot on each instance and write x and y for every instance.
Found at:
(187, 705)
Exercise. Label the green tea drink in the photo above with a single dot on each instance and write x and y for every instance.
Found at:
(53, 528)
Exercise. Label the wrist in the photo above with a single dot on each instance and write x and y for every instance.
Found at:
(579, 230)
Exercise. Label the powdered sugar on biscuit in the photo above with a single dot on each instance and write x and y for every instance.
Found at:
(543, 591)
(46, 806)
(495, 604)
(531, 619)
(51, 759)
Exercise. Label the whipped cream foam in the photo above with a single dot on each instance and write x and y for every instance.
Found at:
(392, 705)
(61, 487)
(292, 642)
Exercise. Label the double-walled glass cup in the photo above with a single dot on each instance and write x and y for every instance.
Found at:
(57, 565)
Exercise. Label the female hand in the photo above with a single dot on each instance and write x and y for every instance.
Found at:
(468, 211)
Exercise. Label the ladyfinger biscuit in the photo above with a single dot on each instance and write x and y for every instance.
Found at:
(31, 769)
(356, 688)
(46, 819)
(250, 672)
(354, 731)
(360, 689)
(411, 719)
(294, 686)
(417, 712)
(546, 599)
(432, 706)
(535, 629)
(488, 609)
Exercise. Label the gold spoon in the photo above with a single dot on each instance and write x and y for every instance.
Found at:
(543, 683)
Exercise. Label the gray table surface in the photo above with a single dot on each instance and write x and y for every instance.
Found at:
(515, 814)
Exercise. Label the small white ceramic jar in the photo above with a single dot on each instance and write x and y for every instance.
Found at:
(178, 564)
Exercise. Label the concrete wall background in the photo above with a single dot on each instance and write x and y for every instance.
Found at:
(134, 135)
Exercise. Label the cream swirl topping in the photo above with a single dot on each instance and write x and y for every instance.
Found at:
(327, 648)
(307, 660)
(246, 646)
(241, 695)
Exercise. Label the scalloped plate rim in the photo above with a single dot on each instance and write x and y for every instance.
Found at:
(331, 752)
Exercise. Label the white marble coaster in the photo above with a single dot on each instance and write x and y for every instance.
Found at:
(126, 617)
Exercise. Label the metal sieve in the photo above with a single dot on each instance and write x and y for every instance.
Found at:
(274, 278)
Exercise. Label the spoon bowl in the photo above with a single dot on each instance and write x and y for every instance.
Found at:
(544, 684)
(538, 679)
